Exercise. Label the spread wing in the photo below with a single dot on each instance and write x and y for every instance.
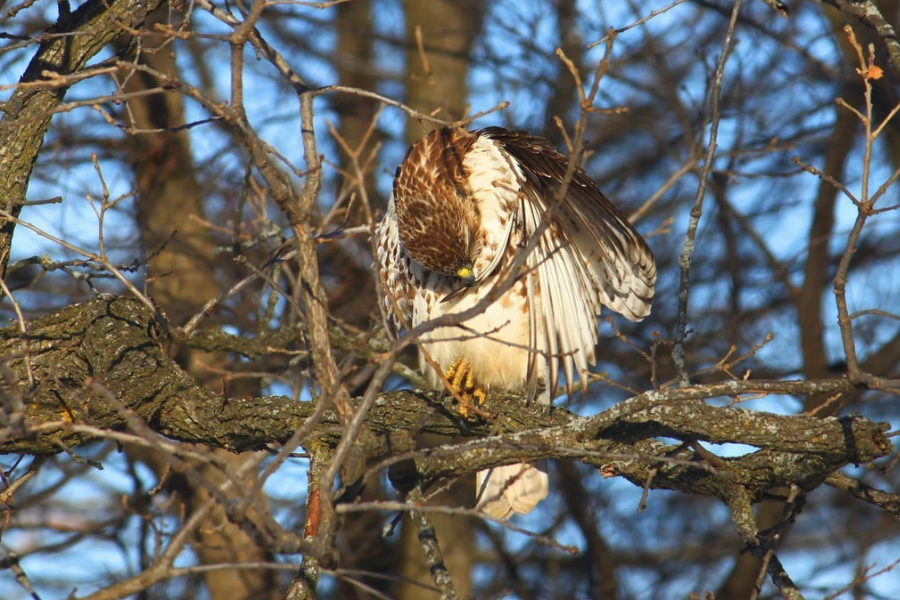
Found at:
(589, 256)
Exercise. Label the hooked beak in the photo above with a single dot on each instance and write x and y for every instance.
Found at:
(467, 277)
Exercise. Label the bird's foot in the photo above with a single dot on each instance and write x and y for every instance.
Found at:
(471, 396)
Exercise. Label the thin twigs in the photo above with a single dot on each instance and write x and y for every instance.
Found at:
(434, 558)
(760, 547)
(641, 21)
(449, 510)
(161, 569)
(650, 202)
(869, 13)
(359, 170)
(11, 562)
(875, 312)
(865, 207)
(884, 500)
(865, 574)
(107, 265)
(411, 112)
(790, 506)
(687, 251)
(320, 505)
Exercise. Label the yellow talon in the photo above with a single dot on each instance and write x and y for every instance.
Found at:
(480, 396)
(452, 370)
(461, 379)
(464, 411)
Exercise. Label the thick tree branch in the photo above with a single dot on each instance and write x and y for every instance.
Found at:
(113, 344)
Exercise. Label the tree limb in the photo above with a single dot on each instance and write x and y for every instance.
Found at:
(113, 344)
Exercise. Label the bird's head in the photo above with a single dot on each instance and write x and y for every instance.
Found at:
(437, 218)
(440, 241)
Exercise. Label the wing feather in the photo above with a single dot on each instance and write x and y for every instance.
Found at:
(617, 255)
(492, 185)
(590, 256)
(547, 338)
(393, 271)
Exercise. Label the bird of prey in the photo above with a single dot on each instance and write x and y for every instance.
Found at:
(465, 207)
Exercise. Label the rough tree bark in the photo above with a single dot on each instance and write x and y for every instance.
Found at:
(101, 367)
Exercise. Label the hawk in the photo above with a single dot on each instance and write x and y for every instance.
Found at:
(464, 205)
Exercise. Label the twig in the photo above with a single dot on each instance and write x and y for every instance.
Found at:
(825, 177)
(687, 251)
(11, 562)
(787, 516)
(858, 489)
(7, 494)
(726, 365)
(161, 569)
(644, 208)
(868, 12)
(411, 112)
(359, 171)
(864, 208)
(434, 558)
(635, 23)
(780, 7)
(875, 312)
(448, 510)
(160, 318)
(742, 515)
(866, 575)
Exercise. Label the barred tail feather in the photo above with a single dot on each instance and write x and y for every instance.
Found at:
(502, 491)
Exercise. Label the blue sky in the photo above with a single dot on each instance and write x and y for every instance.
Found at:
(273, 109)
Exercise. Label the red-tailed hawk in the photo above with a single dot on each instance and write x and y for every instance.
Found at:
(464, 204)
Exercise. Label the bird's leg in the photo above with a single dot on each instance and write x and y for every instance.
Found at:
(461, 377)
